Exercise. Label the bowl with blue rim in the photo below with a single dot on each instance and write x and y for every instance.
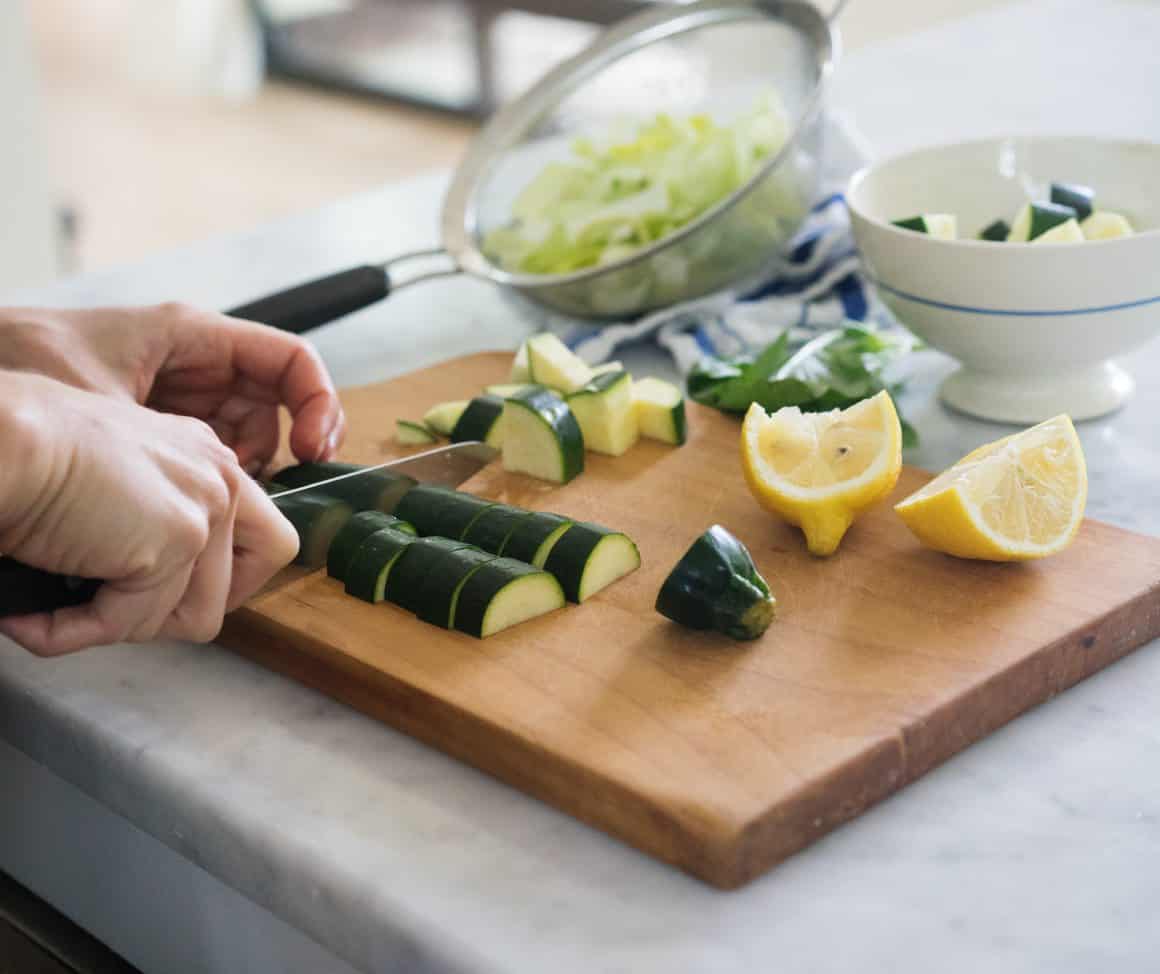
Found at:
(1033, 261)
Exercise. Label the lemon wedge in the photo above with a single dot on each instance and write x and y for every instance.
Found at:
(1018, 498)
(821, 470)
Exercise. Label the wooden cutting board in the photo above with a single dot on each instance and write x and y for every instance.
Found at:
(719, 757)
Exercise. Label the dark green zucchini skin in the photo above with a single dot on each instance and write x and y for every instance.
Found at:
(1047, 216)
(716, 586)
(379, 490)
(1079, 198)
(352, 534)
(530, 533)
(481, 587)
(912, 223)
(996, 231)
(422, 563)
(569, 556)
(376, 554)
(478, 419)
(440, 511)
(435, 597)
(314, 516)
(494, 526)
(553, 411)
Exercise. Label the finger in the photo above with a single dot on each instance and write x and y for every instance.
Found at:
(264, 543)
(255, 434)
(198, 616)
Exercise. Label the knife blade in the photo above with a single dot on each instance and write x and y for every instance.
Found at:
(25, 590)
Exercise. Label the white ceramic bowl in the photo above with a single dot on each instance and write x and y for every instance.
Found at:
(1034, 326)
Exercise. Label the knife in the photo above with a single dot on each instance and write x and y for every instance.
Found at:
(25, 590)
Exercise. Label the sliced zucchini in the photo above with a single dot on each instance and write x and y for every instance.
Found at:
(482, 420)
(378, 490)
(944, 226)
(608, 367)
(491, 530)
(606, 413)
(370, 566)
(317, 518)
(360, 527)
(1078, 197)
(1105, 225)
(437, 598)
(660, 411)
(542, 437)
(409, 433)
(1067, 232)
(717, 586)
(425, 558)
(443, 417)
(534, 537)
(505, 389)
(997, 231)
(589, 558)
(1037, 218)
(551, 363)
(519, 372)
(503, 593)
(440, 510)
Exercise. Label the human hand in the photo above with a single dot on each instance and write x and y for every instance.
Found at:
(153, 504)
(232, 374)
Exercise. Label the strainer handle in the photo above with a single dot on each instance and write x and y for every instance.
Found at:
(836, 10)
(325, 299)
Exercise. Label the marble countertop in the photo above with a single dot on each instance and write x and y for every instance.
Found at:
(1035, 850)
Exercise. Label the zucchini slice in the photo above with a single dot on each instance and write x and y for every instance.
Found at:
(608, 367)
(410, 433)
(519, 372)
(440, 510)
(551, 363)
(1105, 225)
(443, 417)
(482, 420)
(1078, 197)
(370, 566)
(716, 586)
(944, 226)
(352, 534)
(997, 231)
(437, 599)
(534, 537)
(1037, 218)
(379, 490)
(317, 518)
(503, 593)
(660, 411)
(1067, 232)
(505, 389)
(606, 413)
(491, 530)
(589, 558)
(409, 579)
(542, 437)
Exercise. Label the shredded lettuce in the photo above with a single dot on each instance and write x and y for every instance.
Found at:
(610, 200)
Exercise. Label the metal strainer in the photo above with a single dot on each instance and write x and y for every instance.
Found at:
(714, 56)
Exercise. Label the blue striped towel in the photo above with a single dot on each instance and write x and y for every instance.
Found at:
(816, 284)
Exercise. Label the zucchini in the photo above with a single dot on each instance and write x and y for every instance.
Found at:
(944, 226)
(589, 558)
(660, 411)
(534, 537)
(551, 363)
(437, 597)
(491, 530)
(409, 433)
(608, 367)
(424, 560)
(482, 420)
(1078, 197)
(352, 534)
(542, 437)
(1105, 225)
(378, 490)
(317, 518)
(505, 389)
(1035, 219)
(606, 413)
(519, 372)
(997, 231)
(717, 586)
(440, 510)
(442, 418)
(502, 593)
(370, 566)
(1067, 232)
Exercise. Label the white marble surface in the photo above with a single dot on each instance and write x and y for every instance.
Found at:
(1036, 850)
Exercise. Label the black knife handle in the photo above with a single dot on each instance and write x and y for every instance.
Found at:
(25, 590)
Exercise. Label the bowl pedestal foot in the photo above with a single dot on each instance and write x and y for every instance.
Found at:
(1027, 399)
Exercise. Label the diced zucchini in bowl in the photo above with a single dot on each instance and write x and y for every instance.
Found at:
(1105, 225)
(998, 231)
(606, 412)
(542, 437)
(551, 363)
(1038, 218)
(482, 420)
(410, 433)
(944, 226)
(589, 558)
(1067, 232)
(1079, 198)
(442, 417)
(660, 410)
